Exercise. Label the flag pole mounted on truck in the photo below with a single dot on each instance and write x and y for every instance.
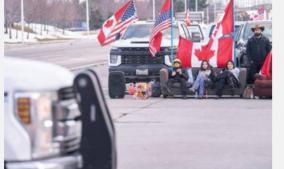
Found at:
(234, 32)
(172, 31)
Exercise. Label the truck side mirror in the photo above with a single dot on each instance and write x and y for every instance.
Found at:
(98, 146)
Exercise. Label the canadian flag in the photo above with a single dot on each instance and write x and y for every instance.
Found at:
(218, 50)
(117, 23)
(259, 14)
(267, 66)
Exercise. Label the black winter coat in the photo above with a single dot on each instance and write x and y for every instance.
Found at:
(184, 74)
(258, 48)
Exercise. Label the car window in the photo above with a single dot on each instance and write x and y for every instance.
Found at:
(137, 31)
(195, 30)
(237, 29)
(167, 33)
(144, 31)
(267, 31)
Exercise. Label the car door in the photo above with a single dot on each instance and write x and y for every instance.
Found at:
(98, 143)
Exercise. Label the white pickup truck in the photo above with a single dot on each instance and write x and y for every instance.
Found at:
(42, 124)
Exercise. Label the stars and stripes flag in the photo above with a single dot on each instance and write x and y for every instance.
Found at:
(117, 23)
(163, 22)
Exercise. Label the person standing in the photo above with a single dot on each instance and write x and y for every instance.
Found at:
(258, 46)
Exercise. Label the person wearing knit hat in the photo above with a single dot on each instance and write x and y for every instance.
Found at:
(178, 74)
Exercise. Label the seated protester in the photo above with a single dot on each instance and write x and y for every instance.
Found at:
(178, 74)
(205, 76)
(229, 76)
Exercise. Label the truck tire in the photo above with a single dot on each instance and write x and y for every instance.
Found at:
(116, 85)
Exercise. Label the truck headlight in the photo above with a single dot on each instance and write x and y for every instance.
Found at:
(115, 60)
(168, 60)
(34, 111)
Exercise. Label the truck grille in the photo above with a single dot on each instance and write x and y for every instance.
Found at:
(126, 59)
(67, 128)
(140, 56)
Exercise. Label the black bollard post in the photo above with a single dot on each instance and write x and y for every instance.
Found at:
(98, 146)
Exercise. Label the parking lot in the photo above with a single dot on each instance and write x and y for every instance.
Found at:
(171, 133)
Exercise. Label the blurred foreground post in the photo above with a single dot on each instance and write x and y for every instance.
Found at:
(87, 17)
(154, 9)
(22, 19)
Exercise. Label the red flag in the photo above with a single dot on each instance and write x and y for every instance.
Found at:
(162, 22)
(155, 43)
(267, 66)
(224, 53)
(117, 23)
(228, 19)
(184, 52)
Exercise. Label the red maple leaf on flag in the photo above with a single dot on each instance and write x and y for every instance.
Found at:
(205, 53)
(108, 23)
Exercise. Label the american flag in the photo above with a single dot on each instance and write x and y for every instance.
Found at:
(117, 23)
(162, 22)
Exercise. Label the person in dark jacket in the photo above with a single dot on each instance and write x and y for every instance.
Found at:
(178, 74)
(258, 46)
(230, 76)
(206, 77)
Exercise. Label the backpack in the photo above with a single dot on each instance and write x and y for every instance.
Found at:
(156, 89)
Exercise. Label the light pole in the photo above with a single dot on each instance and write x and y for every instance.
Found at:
(185, 6)
(87, 17)
(196, 5)
(154, 9)
(22, 19)
(215, 11)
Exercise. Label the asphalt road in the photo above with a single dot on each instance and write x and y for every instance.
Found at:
(171, 133)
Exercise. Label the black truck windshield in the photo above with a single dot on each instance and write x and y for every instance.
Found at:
(144, 31)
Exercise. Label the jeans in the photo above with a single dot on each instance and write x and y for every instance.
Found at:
(199, 84)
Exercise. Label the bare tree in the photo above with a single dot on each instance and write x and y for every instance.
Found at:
(12, 14)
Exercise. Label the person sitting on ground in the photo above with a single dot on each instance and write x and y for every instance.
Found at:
(206, 76)
(229, 76)
(178, 74)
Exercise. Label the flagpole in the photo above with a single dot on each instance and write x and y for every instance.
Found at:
(234, 34)
(172, 34)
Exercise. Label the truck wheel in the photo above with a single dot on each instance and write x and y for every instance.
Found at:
(116, 85)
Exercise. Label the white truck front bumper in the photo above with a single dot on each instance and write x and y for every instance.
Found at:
(65, 162)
